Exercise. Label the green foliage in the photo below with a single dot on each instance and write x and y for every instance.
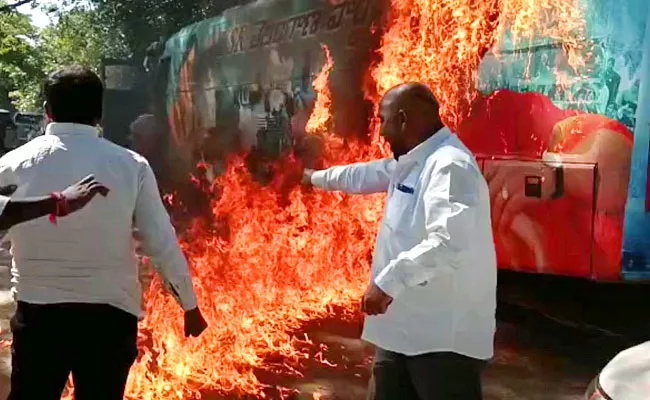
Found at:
(145, 21)
(86, 31)
(20, 60)
(79, 37)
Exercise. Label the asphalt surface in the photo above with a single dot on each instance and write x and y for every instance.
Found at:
(553, 337)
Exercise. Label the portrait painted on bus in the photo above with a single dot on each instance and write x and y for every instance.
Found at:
(562, 211)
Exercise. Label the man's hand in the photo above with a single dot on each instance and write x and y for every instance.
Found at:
(194, 323)
(375, 301)
(306, 177)
(81, 193)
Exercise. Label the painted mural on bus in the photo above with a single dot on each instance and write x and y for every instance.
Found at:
(565, 150)
(580, 125)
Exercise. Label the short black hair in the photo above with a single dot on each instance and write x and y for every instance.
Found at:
(74, 94)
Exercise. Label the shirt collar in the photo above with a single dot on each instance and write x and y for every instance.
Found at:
(60, 128)
(427, 147)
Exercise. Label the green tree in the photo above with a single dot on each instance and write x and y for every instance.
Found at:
(146, 21)
(10, 7)
(143, 22)
(79, 37)
(20, 60)
(86, 31)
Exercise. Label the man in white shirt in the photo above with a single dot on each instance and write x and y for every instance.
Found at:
(431, 302)
(76, 281)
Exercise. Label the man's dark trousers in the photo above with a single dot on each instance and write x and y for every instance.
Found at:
(94, 342)
(432, 376)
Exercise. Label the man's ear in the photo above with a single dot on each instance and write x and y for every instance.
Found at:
(402, 119)
(48, 113)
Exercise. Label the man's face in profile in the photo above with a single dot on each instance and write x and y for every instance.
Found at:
(391, 127)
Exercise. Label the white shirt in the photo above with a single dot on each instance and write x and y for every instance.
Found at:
(88, 256)
(627, 376)
(3, 203)
(435, 252)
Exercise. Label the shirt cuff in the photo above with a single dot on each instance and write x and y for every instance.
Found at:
(184, 293)
(389, 282)
(4, 200)
(318, 179)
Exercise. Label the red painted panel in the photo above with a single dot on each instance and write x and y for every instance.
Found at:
(526, 126)
(538, 225)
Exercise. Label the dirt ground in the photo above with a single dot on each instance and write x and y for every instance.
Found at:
(536, 359)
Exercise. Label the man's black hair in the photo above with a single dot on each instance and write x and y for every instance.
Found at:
(74, 94)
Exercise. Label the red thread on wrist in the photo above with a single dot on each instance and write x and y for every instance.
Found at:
(60, 207)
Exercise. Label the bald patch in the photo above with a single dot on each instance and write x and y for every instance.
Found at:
(406, 94)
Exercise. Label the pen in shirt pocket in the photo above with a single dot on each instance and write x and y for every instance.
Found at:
(405, 189)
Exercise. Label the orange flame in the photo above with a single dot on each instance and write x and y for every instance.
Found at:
(321, 117)
(273, 266)
(441, 42)
(320, 124)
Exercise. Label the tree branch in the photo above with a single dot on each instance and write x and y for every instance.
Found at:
(11, 7)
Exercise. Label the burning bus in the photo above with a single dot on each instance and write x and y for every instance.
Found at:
(563, 149)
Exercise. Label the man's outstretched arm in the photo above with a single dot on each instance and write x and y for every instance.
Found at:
(74, 198)
(360, 178)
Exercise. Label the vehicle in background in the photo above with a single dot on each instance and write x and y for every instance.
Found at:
(29, 125)
(6, 124)
(570, 196)
(26, 126)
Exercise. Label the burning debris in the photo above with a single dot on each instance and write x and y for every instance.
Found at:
(273, 267)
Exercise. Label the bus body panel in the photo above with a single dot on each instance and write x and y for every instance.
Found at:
(636, 246)
(556, 146)
(250, 71)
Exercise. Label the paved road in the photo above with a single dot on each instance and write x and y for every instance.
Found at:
(536, 358)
